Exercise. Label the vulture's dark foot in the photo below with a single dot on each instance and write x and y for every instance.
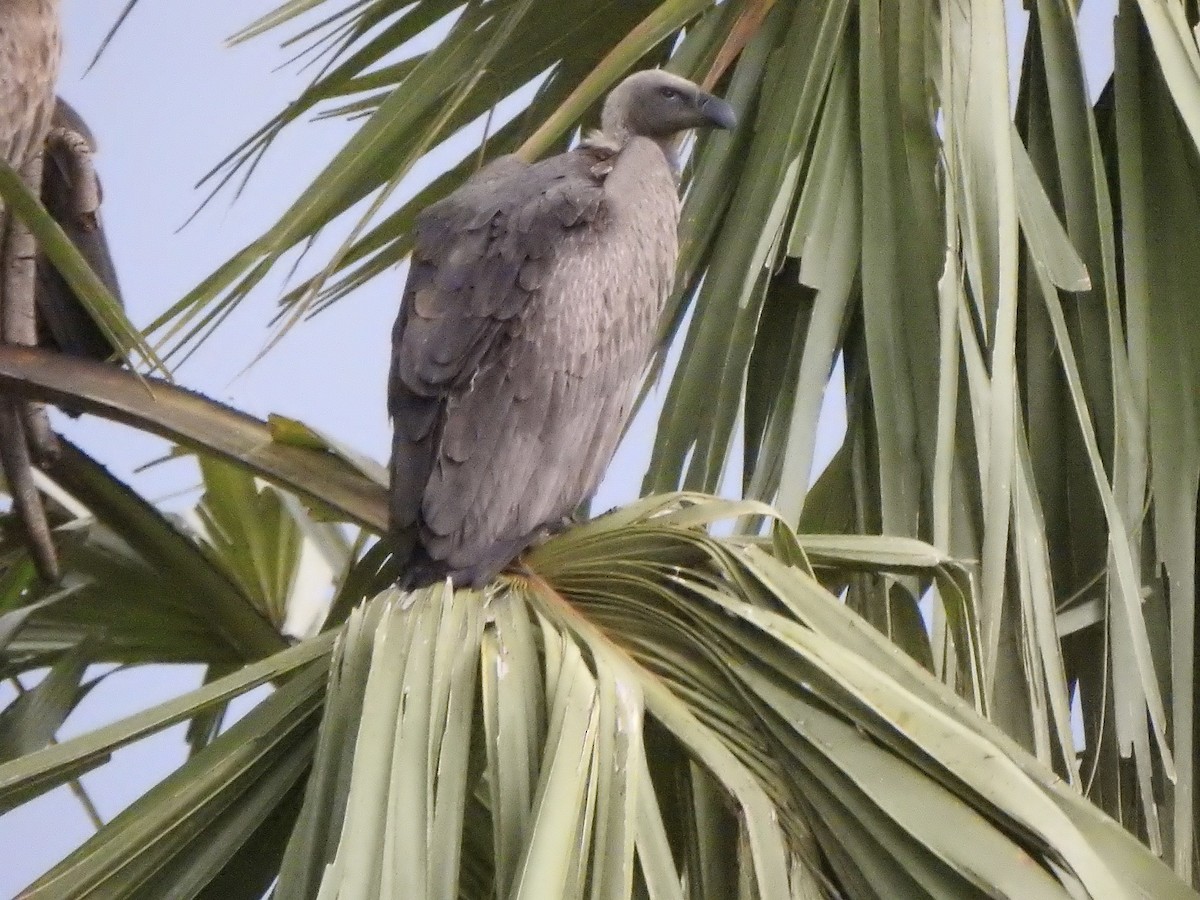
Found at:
(519, 571)
(570, 520)
(546, 532)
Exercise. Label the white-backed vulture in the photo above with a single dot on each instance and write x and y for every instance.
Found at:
(530, 311)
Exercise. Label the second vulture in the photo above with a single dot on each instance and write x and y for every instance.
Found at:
(530, 311)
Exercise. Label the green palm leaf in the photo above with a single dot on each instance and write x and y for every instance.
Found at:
(534, 705)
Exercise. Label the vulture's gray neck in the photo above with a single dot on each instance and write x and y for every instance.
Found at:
(670, 149)
(614, 137)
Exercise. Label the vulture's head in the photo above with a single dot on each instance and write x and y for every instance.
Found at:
(659, 105)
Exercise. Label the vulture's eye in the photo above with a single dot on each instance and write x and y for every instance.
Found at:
(668, 92)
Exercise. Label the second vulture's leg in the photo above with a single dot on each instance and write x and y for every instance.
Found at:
(24, 427)
(20, 314)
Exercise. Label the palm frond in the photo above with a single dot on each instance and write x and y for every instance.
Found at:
(617, 720)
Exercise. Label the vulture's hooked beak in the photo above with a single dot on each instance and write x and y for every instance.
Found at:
(716, 110)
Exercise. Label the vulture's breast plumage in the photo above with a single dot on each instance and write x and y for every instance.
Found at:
(29, 62)
(531, 307)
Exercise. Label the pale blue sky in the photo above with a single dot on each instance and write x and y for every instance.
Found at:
(166, 102)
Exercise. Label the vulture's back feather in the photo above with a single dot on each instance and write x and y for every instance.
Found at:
(529, 312)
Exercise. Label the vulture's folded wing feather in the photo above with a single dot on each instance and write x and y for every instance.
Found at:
(63, 323)
(480, 260)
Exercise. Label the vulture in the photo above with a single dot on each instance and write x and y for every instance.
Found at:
(529, 314)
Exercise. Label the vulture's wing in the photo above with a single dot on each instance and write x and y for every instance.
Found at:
(480, 258)
(63, 323)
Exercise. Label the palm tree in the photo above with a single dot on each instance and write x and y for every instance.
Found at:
(864, 688)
